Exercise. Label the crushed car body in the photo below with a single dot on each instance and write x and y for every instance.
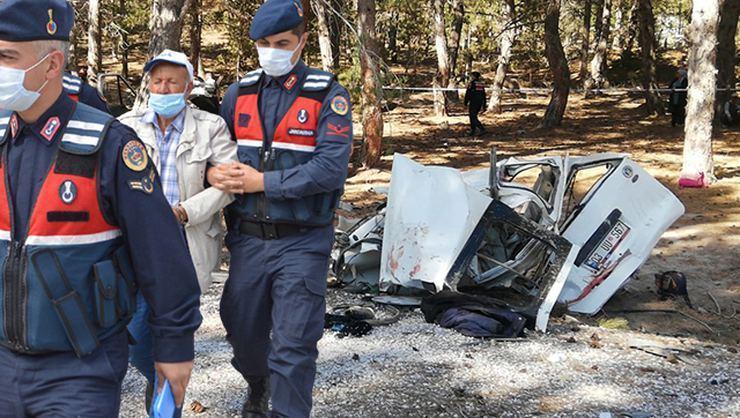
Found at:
(530, 233)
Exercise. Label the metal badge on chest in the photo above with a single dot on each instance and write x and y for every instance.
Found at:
(68, 192)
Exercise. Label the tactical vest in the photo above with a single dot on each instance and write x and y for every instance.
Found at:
(293, 144)
(72, 86)
(69, 284)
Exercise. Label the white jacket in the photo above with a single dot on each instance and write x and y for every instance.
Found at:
(205, 139)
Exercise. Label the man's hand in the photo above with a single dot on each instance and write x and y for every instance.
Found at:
(181, 214)
(179, 376)
(252, 180)
(226, 178)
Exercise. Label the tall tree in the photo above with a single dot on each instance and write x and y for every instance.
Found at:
(558, 67)
(165, 26)
(508, 37)
(585, 40)
(336, 26)
(458, 18)
(698, 162)
(726, 53)
(596, 77)
(94, 54)
(372, 116)
(124, 46)
(196, 33)
(442, 78)
(323, 16)
(653, 104)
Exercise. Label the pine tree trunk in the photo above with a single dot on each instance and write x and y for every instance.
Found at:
(393, 39)
(598, 21)
(165, 26)
(558, 67)
(196, 33)
(458, 18)
(372, 116)
(596, 78)
(94, 55)
(698, 164)
(442, 78)
(585, 40)
(632, 27)
(507, 41)
(324, 32)
(726, 50)
(619, 27)
(75, 37)
(336, 32)
(653, 104)
(124, 41)
(466, 51)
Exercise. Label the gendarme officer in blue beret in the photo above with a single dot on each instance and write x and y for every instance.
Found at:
(293, 125)
(83, 226)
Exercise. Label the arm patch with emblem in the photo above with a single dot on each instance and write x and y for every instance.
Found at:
(145, 184)
(134, 156)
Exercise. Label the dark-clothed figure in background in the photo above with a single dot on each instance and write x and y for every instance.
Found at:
(677, 104)
(475, 99)
(293, 126)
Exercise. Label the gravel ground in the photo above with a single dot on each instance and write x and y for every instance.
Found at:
(415, 369)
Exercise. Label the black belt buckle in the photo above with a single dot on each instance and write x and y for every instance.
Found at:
(269, 231)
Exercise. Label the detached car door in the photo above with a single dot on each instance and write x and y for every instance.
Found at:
(616, 225)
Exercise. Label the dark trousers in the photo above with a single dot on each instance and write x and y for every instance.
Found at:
(278, 286)
(678, 115)
(475, 123)
(62, 385)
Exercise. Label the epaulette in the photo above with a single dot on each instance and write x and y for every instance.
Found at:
(251, 78)
(317, 80)
(72, 84)
(85, 131)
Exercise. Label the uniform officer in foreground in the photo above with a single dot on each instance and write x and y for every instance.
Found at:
(83, 224)
(293, 126)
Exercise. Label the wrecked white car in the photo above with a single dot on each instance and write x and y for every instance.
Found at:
(529, 232)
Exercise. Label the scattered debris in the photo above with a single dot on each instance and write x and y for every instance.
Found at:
(673, 283)
(472, 315)
(613, 323)
(669, 311)
(197, 407)
(345, 325)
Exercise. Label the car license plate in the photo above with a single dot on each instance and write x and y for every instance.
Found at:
(597, 260)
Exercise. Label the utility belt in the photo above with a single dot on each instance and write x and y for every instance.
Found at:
(270, 231)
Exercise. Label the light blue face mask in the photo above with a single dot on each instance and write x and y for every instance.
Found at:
(13, 95)
(167, 105)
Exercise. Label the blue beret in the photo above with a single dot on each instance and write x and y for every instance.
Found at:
(276, 16)
(35, 20)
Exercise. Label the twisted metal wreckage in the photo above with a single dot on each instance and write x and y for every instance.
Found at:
(531, 233)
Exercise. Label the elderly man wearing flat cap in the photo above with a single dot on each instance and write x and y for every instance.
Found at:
(293, 126)
(83, 224)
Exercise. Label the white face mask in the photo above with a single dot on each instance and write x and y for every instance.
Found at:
(13, 95)
(276, 62)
